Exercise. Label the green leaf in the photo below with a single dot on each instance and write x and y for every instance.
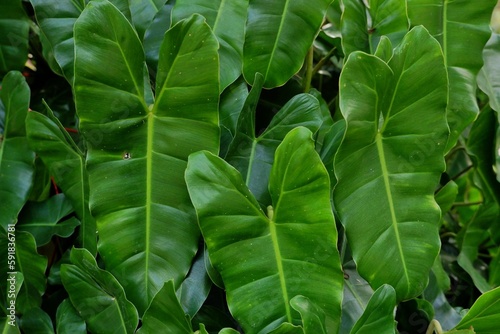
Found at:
(232, 101)
(165, 314)
(363, 26)
(42, 219)
(148, 234)
(97, 295)
(194, 290)
(227, 19)
(391, 167)
(14, 25)
(480, 147)
(258, 257)
(16, 159)
(143, 13)
(489, 77)
(447, 316)
(484, 315)
(277, 37)
(357, 293)
(68, 321)
(313, 317)
(36, 321)
(378, 316)
(488, 80)
(287, 328)
(7, 327)
(153, 37)
(446, 196)
(47, 137)
(56, 20)
(253, 156)
(462, 29)
(32, 266)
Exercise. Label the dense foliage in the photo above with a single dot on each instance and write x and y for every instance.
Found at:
(250, 166)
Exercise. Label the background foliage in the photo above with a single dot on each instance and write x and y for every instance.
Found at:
(249, 166)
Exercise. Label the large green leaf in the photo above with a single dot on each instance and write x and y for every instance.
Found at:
(16, 159)
(33, 266)
(462, 28)
(43, 219)
(227, 19)
(148, 234)
(96, 294)
(379, 313)
(253, 156)
(262, 264)
(388, 168)
(484, 315)
(165, 314)
(362, 26)
(278, 35)
(14, 25)
(66, 163)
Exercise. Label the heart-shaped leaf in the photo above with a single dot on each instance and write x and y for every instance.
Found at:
(262, 265)
(149, 233)
(387, 168)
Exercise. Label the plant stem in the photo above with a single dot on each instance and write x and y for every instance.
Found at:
(434, 326)
(309, 69)
(467, 203)
(323, 61)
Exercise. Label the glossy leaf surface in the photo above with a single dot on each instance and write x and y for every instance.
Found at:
(484, 315)
(277, 37)
(14, 25)
(391, 166)
(56, 20)
(68, 320)
(379, 313)
(43, 219)
(147, 235)
(97, 295)
(480, 146)
(362, 27)
(262, 266)
(253, 156)
(32, 265)
(165, 314)
(16, 158)
(66, 163)
(462, 29)
(143, 13)
(227, 18)
(313, 317)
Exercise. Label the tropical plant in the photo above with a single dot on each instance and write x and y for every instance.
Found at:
(250, 166)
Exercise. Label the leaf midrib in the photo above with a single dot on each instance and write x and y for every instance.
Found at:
(275, 45)
(387, 186)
